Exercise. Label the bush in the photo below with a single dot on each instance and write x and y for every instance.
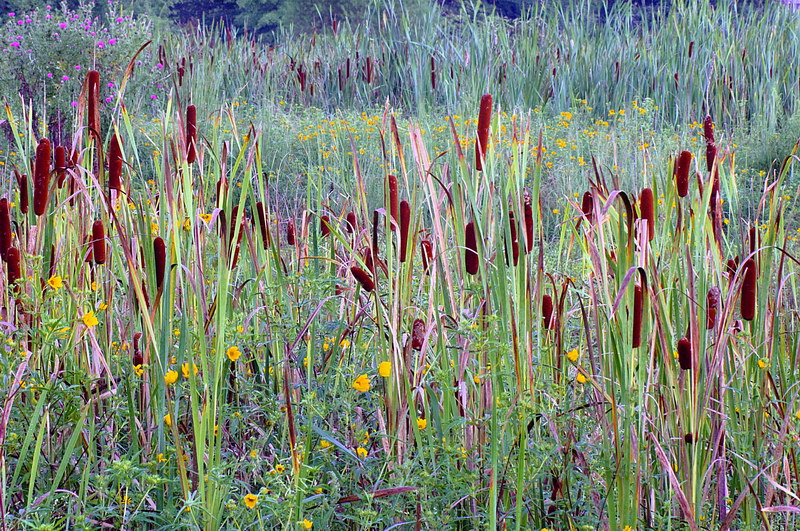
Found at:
(48, 52)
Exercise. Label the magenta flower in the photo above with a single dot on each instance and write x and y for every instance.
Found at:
(64, 78)
(153, 96)
(62, 25)
(112, 42)
(77, 67)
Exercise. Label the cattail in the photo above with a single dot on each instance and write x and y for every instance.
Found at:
(41, 177)
(689, 438)
(748, 297)
(512, 222)
(325, 225)
(12, 267)
(93, 80)
(191, 134)
(753, 239)
(637, 316)
(547, 312)
(263, 224)
(363, 278)
(711, 145)
(99, 242)
(484, 121)
(417, 334)
(160, 253)
(290, 233)
(5, 228)
(426, 250)
(22, 181)
(685, 354)
(394, 205)
(712, 304)
(682, 168)
(351, 222)
(114, 164)
(405, 221)
(471, 251)
(528, 212)
(587, 206)
(137, 359)
(366, 255)
(61, 164)
(647, 208)
(433, 73)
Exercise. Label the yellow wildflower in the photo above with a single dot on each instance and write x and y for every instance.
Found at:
(233, 353)
(171, 377)
(250, 501)
(422, 423)
(362, 452)
(385, 368)
(55, 282)
(362, 384)
(573, 355)
(89, 319)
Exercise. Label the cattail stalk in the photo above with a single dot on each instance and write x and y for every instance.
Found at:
(41, 177)
(484, 122)
(394, 205)
(647, 208)
(325, 225)
(191, 134)
(93, 81)
(417, 334)
(13, 268)
(61, 164)
(471, 249)
(263, 224)
(363, 278)
(547, 312)
(5, 228)
(587, 206)
(405, 221)
(99, 242)
(748, 297)
(712, 305)
(685, 354)
(351, 222)
(160, 254)
(426, 250)
(114, 163)
(528, 213)
(637, 316)
(682, 168)
(290, 240)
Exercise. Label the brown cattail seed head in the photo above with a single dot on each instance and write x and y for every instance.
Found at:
(12, 267)
(5, 228)
(93, 81)
(547, 312)
(682, 168)
(290, 233)
(587, 206)
(263, 224)
(471, 249)
(484, 122)
(325, 225)
(61, 164)
(426, 250)
(160, 254)
(637, 316)
(685, 354)
(363, 278)
(394, 205)
(41, 177)
(99, 242)
(417, 334)
(114, 164)
(351, 222)
(748, 297)
(405, 221)
(647, 208)
(512, 222)
(22, 180)
(191, 134)
(528, 212)
(712, 305)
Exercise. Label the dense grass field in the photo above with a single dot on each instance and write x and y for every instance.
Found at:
(420, 272)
